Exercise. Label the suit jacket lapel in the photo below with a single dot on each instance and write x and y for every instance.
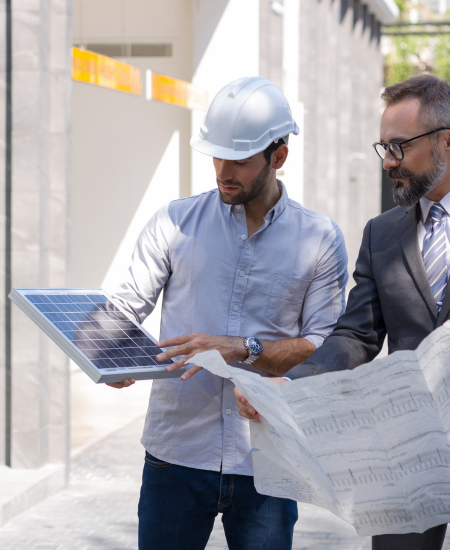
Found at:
(410, 246)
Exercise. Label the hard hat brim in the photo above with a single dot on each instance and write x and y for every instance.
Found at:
(224, 153)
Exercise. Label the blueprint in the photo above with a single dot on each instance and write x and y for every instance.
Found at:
(371, 445)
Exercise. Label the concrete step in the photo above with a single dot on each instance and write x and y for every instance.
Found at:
(20, 489)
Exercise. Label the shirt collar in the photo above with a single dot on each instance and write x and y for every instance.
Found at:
(276, 210)
(426, 204)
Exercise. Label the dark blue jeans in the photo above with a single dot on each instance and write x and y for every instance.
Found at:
(178, 506)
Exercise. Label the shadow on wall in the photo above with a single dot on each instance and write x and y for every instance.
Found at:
(118, 145)
(163, 187)
(209, 12)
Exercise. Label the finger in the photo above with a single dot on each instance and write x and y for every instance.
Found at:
(245, 406)
(124, 384)
(278, 381)
(174, 352)
(180, 363)
(246, 414)
(190, 373)
(246, 410)
(177, 341)
(239, 397)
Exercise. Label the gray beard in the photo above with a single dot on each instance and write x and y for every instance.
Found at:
(419, 184)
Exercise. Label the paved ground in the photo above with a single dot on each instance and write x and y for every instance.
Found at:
(97, 511)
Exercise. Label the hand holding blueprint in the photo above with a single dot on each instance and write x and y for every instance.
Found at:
(371, 445)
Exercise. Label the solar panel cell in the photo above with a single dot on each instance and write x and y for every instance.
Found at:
(167, 362)
(96, 328)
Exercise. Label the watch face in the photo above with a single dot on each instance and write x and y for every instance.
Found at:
(254, 346)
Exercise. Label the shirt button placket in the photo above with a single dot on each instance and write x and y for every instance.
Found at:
(237, 298)
(229, 428)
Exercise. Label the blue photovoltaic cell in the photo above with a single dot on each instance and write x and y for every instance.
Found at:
(98, 329)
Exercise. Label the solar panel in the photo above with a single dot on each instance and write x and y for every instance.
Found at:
(94, 332)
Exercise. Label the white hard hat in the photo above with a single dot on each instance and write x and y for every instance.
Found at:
(243, 119)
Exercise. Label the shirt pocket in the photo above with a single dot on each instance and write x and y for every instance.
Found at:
(286, 299)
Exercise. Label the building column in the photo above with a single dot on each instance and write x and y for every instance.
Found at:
(35, 236)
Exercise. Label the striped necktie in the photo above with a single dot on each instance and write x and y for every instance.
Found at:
(435, 253)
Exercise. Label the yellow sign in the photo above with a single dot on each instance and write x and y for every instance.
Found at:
(100, 70)
(174, 91)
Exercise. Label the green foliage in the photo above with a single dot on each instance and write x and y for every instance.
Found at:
(442, 57)
(412, 55)
(415, 54)
(408, 55)
(402, 6)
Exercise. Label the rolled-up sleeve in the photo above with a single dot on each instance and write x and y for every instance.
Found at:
(149, 268)
(325, 299)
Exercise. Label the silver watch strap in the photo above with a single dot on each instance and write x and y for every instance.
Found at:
(250, 359)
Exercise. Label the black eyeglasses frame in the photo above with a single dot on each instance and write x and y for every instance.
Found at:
(388, 145)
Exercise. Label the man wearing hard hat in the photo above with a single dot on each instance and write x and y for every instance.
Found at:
(249, 272)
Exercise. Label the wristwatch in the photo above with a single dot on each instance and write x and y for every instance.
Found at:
(254, 348)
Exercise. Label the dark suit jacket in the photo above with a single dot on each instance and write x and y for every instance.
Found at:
(392, 296)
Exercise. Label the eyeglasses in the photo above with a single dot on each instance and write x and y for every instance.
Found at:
(395, 148)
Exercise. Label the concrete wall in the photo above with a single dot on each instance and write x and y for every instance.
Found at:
(279, 57)
(218, 60)
(2, 231)
(271, 43)
(340, 83)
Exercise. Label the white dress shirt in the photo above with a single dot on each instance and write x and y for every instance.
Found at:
(285, 281)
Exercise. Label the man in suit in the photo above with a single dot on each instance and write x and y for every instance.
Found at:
(401, 272)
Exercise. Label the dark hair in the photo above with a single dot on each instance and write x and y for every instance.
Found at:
(272, 147)
(433, 94)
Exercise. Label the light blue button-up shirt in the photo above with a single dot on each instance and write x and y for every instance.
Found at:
(285, 281)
